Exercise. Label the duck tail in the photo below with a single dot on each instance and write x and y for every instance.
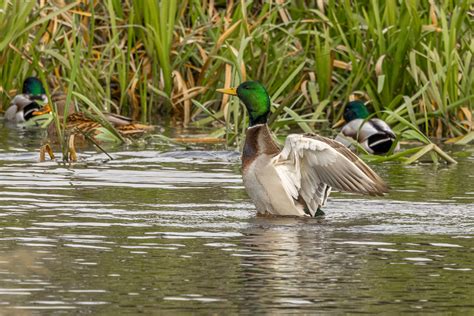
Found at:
(29, 109)
(380, 143)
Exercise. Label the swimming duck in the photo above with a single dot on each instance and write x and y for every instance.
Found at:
(374, 135)
(23, 106)
(295, 180)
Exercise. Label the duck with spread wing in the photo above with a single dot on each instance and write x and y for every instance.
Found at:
(295, 180)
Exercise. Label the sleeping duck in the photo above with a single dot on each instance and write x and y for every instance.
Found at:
(23, 106)
(374, 135)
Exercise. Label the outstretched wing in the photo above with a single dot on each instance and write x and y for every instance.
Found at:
(309, 164)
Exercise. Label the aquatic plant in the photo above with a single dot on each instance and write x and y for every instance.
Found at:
(157, 58)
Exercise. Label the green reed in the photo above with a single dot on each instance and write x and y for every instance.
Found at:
(411, 59)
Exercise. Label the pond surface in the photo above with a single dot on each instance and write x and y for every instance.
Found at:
(163, 229)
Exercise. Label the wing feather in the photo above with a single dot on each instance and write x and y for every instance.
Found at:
(309, 165)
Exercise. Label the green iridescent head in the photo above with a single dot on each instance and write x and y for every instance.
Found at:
(33, 87)
(355, 110)
(256, 99)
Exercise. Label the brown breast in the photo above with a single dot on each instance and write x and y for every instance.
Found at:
(258, 141)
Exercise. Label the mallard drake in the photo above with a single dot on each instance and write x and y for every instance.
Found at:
(373, 134)
(24, 106)
(297, 179)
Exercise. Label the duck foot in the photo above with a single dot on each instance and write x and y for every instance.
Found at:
(319, 212)
(72, 149)
(46, 149)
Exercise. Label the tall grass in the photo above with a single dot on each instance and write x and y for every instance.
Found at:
(411, 59)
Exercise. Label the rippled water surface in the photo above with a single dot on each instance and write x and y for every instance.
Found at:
(163, 229)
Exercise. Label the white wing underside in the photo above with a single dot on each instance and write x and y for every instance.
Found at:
(308, 167)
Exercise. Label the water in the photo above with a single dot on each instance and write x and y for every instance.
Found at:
(159, 229)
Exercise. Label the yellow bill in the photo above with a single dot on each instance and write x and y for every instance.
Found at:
(45, 110)
(231, 91)
(339, 123)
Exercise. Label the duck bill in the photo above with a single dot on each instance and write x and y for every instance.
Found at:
(339, 123)
(45, 110)
(231, 91)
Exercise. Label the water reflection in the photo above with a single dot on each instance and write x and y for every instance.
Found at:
(313, 266)
(173, 230)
